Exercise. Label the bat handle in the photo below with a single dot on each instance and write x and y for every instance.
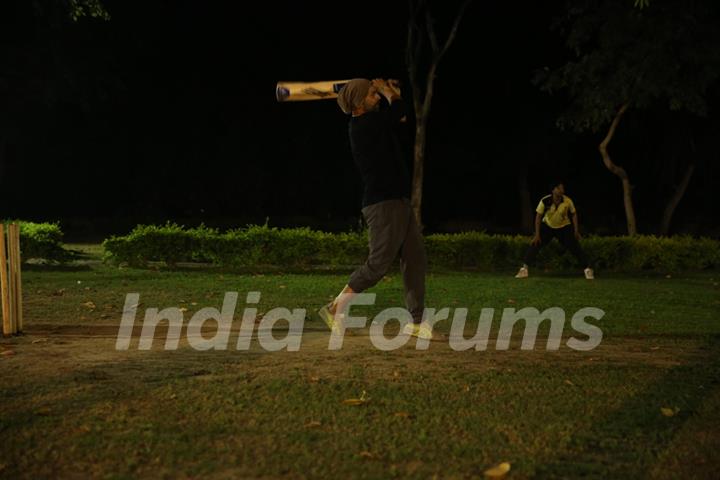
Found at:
(281, 93)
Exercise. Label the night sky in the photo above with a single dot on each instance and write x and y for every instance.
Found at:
(167, 112)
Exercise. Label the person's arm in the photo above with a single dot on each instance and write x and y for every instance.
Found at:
(538, 220)
(576, 224)
(390, 89)
(539, 212)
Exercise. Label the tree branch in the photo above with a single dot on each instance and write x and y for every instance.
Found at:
(611, 132)
(431, 32)
(453, 31)
(413, 51)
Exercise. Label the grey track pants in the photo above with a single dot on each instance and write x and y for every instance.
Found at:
(392, 230)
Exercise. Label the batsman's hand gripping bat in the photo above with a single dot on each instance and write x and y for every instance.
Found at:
(301, 91)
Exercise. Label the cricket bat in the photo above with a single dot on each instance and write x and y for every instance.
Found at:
(302, 91)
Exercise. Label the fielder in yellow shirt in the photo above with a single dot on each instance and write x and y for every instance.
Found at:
(556, 217)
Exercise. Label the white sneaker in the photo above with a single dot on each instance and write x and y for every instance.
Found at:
(589, 274)
(522, 273)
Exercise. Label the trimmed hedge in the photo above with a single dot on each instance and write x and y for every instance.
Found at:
(254, 245)
(41, 241)
(620, 254)
(263, 245)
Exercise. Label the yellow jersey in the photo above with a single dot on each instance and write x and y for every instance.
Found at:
(556, 216)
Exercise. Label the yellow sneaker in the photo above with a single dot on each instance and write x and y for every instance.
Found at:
(419, 330)
(327, 317)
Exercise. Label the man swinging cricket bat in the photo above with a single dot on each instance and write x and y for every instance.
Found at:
(392, 227)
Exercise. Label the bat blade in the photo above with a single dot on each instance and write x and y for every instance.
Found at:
(303, 91)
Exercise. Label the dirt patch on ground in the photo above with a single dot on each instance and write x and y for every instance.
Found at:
(50, 350)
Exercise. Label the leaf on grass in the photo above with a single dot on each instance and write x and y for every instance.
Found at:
(90, 305)
(669, 412)
(313, 424)
(314, 379)
(43, 411)
(7, 353)
(498, 471)
(404, 415)
(510, 300)
(357, 401)
(569, 383)
(366, 454)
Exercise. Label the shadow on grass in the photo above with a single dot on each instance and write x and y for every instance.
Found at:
(92, 258)
(203, 268)
(37, 267)
(115, 403)
(129, 379)
(627, 442)
(124, 377)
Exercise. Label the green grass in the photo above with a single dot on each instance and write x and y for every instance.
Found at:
(71, 403)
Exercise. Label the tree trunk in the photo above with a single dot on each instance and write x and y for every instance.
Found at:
(527, 218)
(675, 200)
(423, 100)
(620, 172)
(422, 113)
(418, 172)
